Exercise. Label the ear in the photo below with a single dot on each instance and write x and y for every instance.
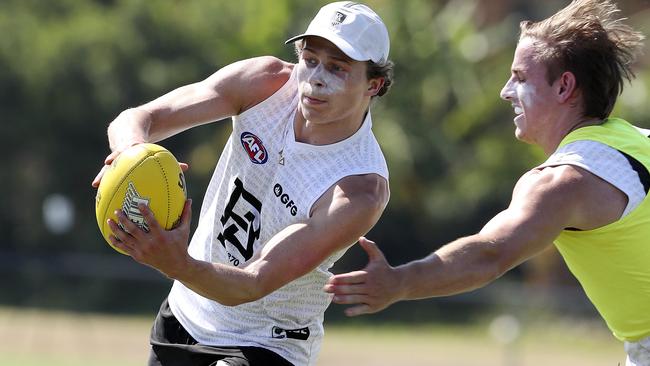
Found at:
(374, 86)
(566, 86)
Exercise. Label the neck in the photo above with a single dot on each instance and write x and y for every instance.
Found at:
(567, 129)
(584, 123)
(314, 133)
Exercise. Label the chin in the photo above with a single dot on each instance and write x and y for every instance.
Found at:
(314, 117)
(520, 135)
(523, 138)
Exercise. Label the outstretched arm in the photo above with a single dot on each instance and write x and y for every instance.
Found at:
(543, 204)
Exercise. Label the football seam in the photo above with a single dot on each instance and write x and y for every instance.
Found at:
(149, 153)
(162, 169)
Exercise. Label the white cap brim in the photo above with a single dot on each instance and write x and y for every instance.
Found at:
(339, 42)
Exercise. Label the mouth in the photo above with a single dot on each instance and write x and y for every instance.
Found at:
(519, 114)
(312, 101)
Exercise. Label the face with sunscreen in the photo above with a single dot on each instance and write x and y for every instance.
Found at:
(531, 95)
(333, 88)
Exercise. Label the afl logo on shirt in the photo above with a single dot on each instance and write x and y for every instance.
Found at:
(254, 148)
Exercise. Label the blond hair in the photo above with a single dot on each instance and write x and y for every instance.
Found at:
(586, 39)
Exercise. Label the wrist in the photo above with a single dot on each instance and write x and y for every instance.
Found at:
(183, 269)
(402, 283)
(131, 127)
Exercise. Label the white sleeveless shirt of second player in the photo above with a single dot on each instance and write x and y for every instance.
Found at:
(265, 181)
(604, 162)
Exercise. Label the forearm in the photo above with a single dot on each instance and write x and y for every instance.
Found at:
(224, 284)
(463, 265)
(172, 113)
(144, 124)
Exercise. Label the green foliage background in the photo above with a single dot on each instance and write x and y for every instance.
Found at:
(68, 67)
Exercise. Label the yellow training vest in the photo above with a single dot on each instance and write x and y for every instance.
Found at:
(613, 262)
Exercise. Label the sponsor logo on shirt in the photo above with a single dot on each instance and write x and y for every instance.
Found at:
(254, 148)
(285, 199)
(301, 334)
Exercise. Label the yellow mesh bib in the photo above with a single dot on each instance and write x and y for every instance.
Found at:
(613, 262)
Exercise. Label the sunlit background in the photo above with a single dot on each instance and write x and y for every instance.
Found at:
(68, 67)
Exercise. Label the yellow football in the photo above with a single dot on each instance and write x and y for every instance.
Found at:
(146, 173)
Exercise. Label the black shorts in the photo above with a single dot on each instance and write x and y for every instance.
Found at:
(171, 345)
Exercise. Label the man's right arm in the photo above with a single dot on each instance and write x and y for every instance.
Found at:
(228, 92)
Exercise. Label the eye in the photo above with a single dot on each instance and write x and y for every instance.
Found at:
(309, 58)
(337, 68)
(518, 77)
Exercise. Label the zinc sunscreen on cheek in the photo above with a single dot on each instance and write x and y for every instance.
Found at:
(327, 83)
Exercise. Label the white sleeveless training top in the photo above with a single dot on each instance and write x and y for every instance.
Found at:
(604, 162)
(251, 197)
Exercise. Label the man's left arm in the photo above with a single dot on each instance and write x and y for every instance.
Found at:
(543, 204)
(348, 210)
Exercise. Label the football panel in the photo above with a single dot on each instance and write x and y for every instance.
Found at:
(176, 188)
(144, 184)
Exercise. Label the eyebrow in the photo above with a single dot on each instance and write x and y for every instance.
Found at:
(343, 58)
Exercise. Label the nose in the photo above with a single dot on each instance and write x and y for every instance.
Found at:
(508, 91)
(316, 77)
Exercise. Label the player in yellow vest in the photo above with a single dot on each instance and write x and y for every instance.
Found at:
(589, 197)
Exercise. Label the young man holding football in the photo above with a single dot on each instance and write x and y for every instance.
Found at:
(300, 179)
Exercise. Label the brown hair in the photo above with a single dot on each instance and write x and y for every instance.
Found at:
(587, 40)
(384, 70)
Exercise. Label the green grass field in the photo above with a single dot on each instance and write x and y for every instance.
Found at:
(30, 337)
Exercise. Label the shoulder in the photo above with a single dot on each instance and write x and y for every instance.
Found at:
(364, 193)
(583, 199)
(263, 76)
(551, 177)
(266, 75)
(372, 188)
(266, 71)
(251, 81)
(565, 182)
(543, 190)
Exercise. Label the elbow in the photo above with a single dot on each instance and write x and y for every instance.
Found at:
(241, 299)
(233, 302)
(501, 268)
(479, 279)
(498, 264)
(256, 290)
(493, 264)
(374, 201)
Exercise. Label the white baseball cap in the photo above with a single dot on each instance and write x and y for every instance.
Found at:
(354, 28)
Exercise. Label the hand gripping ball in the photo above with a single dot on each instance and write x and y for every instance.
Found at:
(146, 173)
